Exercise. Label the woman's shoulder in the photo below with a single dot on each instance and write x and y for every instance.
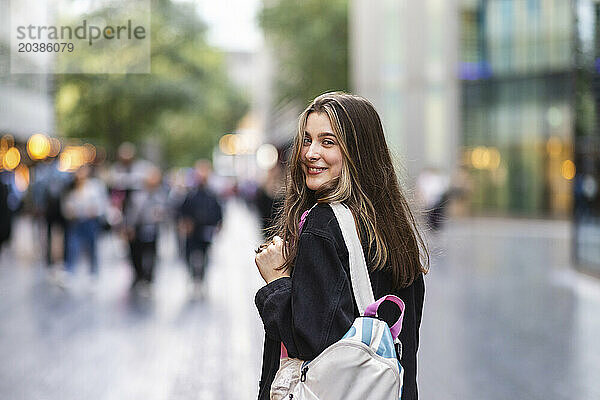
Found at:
(321, 221)
(322, 225)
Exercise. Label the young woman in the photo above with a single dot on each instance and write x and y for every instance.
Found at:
(339, 155)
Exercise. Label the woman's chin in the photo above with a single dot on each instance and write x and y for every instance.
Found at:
(312, 185)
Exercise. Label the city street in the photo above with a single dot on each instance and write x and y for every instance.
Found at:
(129, 122)
(505, 317)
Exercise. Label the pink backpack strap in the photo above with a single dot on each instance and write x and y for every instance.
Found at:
(303, 217)
(371, 311)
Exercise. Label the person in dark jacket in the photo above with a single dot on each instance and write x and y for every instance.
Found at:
(200, 217)
(339, 155)
(5, 214)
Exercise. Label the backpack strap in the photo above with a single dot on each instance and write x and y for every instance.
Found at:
(372, 309)
(359, 274)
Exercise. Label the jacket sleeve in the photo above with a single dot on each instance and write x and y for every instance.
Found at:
(314, 308)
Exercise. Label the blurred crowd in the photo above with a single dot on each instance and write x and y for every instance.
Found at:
(131, 198)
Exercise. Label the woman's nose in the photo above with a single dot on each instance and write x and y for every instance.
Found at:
(313, 152)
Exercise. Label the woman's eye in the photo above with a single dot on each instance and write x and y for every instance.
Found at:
(306, 140)
(328, 142)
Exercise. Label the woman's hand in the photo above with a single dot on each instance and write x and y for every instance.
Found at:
(269, 259)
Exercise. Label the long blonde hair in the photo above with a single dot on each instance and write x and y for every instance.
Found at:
(367, 184)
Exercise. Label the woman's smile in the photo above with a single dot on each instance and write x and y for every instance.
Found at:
(315, 170)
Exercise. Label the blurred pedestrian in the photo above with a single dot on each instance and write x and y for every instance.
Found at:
(126, 178)
(5, 215)
(269, 197)
(83, 207)
(433, 192)
(148, 209)
(49, 187)
(339, 155)
(200, 217)
(178, 190)
(11, 201)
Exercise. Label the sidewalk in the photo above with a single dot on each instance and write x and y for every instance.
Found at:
(506, 316)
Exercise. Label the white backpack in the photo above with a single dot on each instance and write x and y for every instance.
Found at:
(362, 364)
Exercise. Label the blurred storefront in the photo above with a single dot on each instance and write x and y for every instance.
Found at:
(516, 72)
(486, 85)
(529, 74)
(587, 136)
(507, 90)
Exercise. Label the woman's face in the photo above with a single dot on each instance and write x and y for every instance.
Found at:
(321, 156)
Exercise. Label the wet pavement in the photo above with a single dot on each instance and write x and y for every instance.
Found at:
(105, 343)
(505, 318)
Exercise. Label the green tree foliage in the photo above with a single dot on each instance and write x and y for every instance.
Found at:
(311, 43)
(185, 104)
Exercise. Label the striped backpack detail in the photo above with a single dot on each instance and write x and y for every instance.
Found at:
(372, 333)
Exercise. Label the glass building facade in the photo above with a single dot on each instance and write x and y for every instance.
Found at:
(516, 70)
(530, 80)
(526, 75)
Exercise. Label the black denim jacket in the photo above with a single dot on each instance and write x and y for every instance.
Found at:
(315, 307)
